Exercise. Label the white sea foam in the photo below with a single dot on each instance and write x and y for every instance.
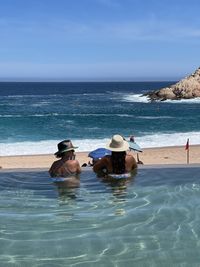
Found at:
(144, 99)
(183, 101)
(23, 116)
(11, 116)
(163, 140)
(124, 115)
(47, 147)
(154, 117)
(50, 146)
(135, 98)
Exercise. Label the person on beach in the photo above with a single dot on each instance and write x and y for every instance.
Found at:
(120, 164)
(132, 140)
(67, 168)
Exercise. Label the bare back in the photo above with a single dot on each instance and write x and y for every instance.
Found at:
(106, 163)
(61, 168)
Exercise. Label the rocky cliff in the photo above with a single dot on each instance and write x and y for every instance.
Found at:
(187, 88)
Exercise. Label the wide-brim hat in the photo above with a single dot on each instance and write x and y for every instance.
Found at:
(65, 146)
(117, 144)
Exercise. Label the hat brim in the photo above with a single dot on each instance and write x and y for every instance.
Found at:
(125, 147)
(65, 150)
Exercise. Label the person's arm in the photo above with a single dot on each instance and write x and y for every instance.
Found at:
(131, 163)
(100, 165)
(78, 167)
(52, 170)
(134, 163)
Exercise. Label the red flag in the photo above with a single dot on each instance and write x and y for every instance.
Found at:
(187, 145)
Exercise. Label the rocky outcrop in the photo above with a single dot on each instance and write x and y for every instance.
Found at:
(187, 88)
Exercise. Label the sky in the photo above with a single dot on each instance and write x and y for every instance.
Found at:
(98, 40)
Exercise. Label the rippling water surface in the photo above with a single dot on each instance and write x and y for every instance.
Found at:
(153, 220)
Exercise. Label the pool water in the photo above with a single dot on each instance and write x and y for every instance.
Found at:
(153, 220)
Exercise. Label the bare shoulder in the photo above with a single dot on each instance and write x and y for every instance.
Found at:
(129, 157)
(54, 167)
(74, 166)
(55, 164)
(104, 161)
(73, 163)
(131, 161)
(101, 164)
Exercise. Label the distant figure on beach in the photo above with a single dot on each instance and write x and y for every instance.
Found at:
(66, 169)
(138, 160)
(132, 140)
(120, 164)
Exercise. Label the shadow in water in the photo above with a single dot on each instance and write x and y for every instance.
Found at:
(119, 187)
(65, 192)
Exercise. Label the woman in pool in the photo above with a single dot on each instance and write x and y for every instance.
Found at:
(120, 164)
(66, 169)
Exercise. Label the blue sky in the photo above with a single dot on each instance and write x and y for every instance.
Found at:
(99, 40)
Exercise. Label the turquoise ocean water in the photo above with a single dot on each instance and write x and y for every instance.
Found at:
(34, 117)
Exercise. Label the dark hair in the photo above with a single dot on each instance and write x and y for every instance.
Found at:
(61, 155)
(118, 162)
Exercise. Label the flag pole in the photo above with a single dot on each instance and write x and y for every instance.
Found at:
(188, 156)
(188, 151)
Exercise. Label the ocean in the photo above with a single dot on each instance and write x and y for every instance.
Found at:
(35, 116)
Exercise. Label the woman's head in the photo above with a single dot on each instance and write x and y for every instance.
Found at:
(118, 145)
(65, 147)
(67, 154)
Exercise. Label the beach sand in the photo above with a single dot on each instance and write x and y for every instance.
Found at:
(149, 156)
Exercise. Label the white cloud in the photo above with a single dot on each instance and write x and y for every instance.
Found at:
(149, 28)
(132, 31)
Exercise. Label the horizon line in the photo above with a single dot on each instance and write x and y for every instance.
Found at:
(88, 81)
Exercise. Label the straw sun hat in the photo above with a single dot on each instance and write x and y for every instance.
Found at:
(117, 144)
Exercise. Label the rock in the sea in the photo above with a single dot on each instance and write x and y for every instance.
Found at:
(187, 88)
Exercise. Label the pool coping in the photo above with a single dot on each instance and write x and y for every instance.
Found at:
(153, 166)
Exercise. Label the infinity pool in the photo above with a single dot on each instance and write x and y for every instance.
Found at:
(153, 220)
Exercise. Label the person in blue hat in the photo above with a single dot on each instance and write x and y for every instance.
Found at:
(67, 168)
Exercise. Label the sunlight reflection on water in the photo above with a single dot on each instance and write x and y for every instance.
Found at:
(153, 220)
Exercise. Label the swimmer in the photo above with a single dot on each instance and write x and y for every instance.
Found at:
(67, 168)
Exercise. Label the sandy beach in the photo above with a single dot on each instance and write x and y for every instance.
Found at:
(149, 156)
